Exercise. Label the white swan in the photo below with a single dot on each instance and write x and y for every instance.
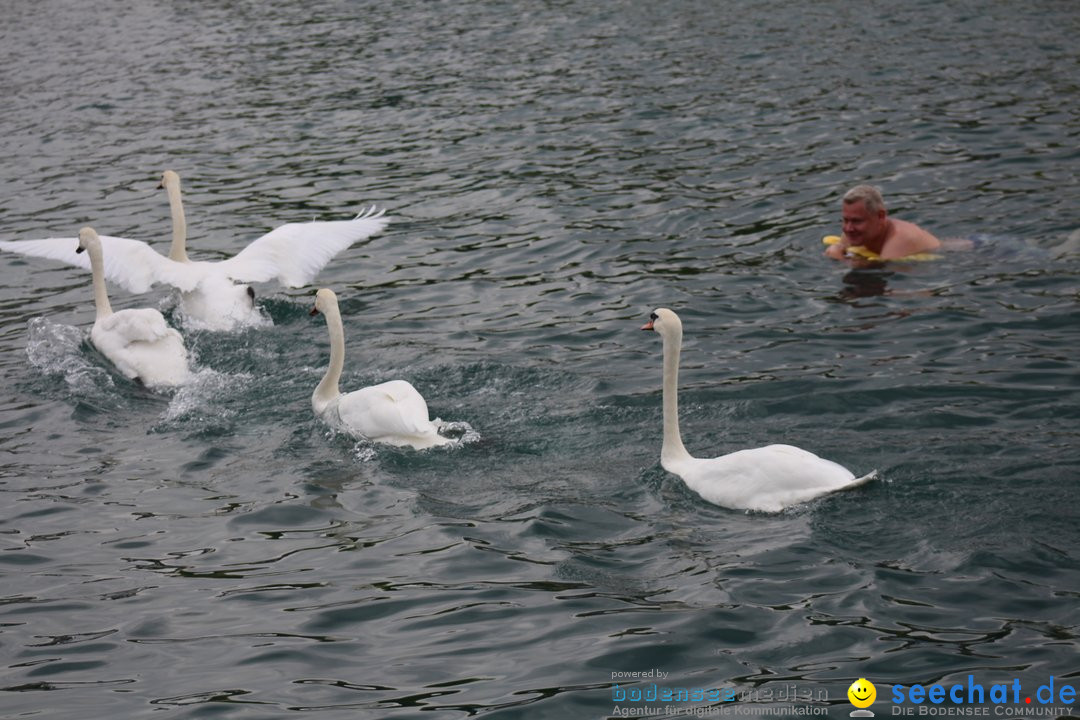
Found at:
(392, 412)
(214, 295)
(767, 479)
(137, 341)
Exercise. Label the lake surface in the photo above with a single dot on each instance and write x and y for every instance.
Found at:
(555, 171)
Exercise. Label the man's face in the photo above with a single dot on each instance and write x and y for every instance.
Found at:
(861, 225)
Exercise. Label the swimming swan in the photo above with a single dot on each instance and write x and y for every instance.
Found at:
(215, 295)
(392, 412)
(767, 479)
(137, 341)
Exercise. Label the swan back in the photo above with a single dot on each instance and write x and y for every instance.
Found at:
(392, 412)
(766, 479)
(137, 341)
(142, 346)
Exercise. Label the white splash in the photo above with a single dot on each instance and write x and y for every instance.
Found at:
(59, 350)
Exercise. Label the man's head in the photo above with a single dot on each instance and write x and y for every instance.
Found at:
(864, 214)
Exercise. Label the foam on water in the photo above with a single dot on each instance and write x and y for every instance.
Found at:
(461, 434)
(206, 395)
(61, 351)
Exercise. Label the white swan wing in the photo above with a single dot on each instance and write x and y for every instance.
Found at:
(131, 264)
(390, 410)
(767, 479)
(295, 253)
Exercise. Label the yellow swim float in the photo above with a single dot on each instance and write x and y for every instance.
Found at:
(868, 254)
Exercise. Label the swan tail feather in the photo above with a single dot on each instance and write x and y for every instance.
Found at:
(872, 475)
(371, 212)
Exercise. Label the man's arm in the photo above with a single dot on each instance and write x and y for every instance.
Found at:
(838, 250)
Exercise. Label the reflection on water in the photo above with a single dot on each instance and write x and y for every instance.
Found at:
(867, 281)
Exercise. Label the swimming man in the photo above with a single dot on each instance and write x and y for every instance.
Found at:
(867, 223)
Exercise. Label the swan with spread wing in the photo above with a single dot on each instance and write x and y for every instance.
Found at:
(215, 295)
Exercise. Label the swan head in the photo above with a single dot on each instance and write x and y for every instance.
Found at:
(88, 238)
(665, 322)
(169, 179)
(324, 300)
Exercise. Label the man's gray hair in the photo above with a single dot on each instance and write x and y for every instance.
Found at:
(870, 196)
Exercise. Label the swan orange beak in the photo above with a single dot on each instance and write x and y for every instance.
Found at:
(314, 312)
(647, 326)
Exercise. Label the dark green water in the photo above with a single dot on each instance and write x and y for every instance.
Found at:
(556, 171)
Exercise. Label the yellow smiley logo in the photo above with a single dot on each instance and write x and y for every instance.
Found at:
(862, 693)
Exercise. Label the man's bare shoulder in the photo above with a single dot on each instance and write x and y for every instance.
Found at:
(907, 238)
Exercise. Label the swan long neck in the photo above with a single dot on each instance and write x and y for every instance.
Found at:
(328, 387)
(97, 271)
(178, 250)
(673, 448)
